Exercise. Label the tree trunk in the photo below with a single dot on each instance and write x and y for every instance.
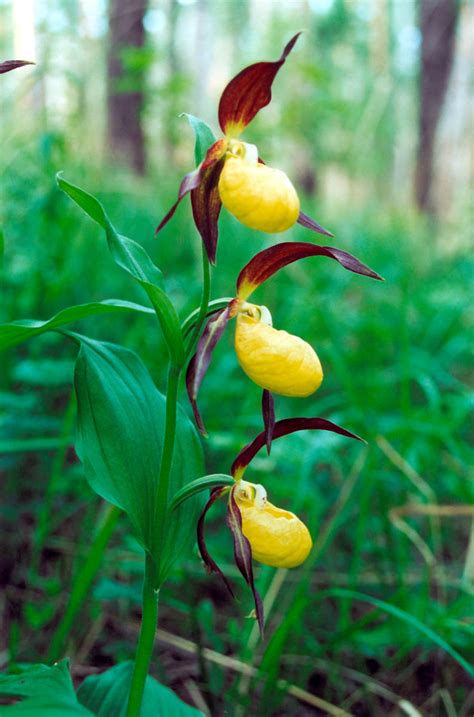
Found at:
(438, 27)
(125, 83)
(171, 105)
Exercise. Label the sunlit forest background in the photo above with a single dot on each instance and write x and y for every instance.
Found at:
(372, 118)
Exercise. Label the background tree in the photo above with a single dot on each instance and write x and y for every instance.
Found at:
(438, 19)
(125, 81)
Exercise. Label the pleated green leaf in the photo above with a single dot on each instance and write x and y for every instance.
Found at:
(19, 331)
(121, 418)
(133, 258)
(106, 695)
(46, 691)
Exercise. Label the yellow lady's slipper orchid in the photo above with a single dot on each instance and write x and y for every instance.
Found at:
(260, 530)
(275, 360)
(259, 196)
(229, 174)
(277, 537)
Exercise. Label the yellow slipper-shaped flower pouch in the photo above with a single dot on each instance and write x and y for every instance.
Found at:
(277, 537)
(276, 360)
(259, 196)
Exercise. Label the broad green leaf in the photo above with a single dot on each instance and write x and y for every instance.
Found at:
(133, 258)
(2, 246)
(37, 680)
(106, 695)
(197, 486)
(54, 706)
(47, 691)
(121, 417)
(18, 331)
(203, 134)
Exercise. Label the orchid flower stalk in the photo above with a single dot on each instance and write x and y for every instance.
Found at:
(140, 450)
(230, 173)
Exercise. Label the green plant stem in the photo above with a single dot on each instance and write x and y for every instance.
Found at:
(83, 580)
(145, 641)
(206, 292)
(161, 497)
(153, 578)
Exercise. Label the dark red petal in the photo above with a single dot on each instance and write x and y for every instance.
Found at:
(200, 361)
(267, 262)
(214, 153)
(283, 428)
(243, 554)
(9, 65)
(210, 564)
(192, 180)
(309, 223)
(206, 204)
(268, 413)
(248, 92)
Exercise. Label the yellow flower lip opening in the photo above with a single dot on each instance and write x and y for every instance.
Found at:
(242, 150)
(275, 360)
(259, 196)
(277, 537)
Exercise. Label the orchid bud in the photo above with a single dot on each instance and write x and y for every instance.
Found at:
(277, 537)
(259, 196)
(275, 360)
